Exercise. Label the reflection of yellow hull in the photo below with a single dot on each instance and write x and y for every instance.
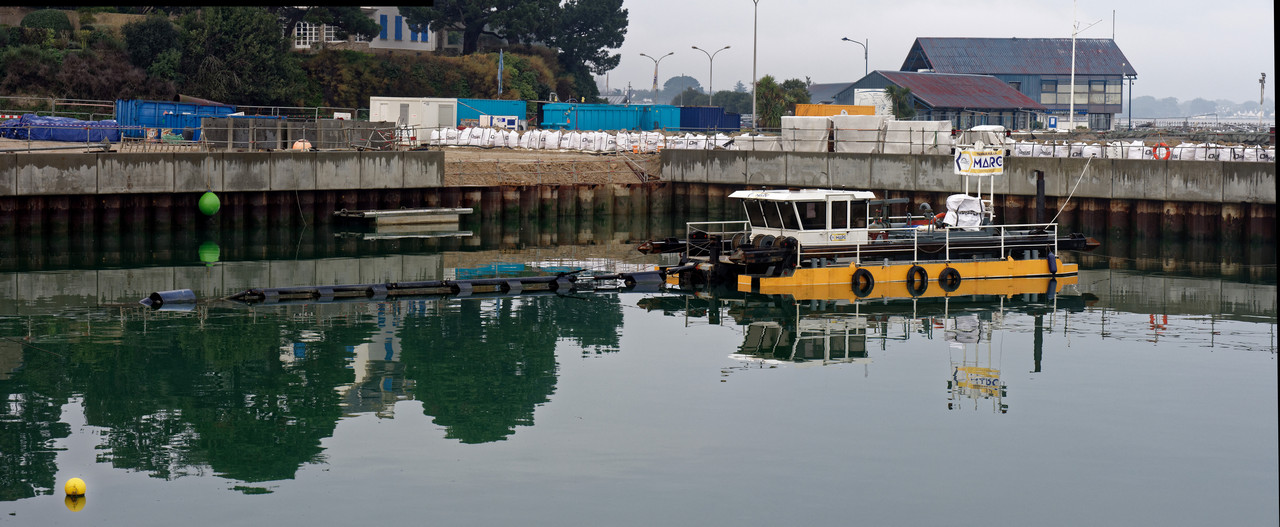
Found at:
(986, 277)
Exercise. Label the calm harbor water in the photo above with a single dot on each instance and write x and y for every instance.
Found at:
(1142, 394)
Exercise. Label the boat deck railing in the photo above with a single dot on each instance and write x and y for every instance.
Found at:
(971, 239)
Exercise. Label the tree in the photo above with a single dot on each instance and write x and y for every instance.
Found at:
(691, 96)
(147, 39)
(795, 91)
(740, 87)
(771, 102)
(238, 55)
(47, 19)
(513, 20)
(584, 33)
(900, 97)
(675, 85)
(347, 19)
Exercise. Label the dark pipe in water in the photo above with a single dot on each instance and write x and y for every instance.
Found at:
(175, 300)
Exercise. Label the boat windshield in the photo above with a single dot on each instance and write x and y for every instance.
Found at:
(755, 215)
(813, 215)
(787, 211)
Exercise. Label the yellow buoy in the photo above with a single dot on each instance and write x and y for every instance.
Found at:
(75, 487)
(74, 503)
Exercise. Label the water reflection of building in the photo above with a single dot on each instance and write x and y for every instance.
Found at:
(974, 376)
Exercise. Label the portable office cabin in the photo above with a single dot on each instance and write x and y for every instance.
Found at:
(136, 116)
(416, 112)
(472, 109)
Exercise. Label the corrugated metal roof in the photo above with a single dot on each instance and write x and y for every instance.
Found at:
(1020, 56)
(826, 93)
(945, 90)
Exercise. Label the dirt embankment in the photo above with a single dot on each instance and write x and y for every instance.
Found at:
(469, 166)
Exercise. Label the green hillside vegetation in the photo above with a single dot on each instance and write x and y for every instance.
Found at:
(240, 55)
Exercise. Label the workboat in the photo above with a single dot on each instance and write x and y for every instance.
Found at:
(822, 237)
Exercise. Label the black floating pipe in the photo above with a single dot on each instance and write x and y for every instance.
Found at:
(175, 300)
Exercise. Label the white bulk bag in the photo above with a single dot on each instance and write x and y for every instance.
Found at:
(1091, 150)
(1062, 150)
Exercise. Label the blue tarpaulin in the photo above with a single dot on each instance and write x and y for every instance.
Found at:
(39, 128)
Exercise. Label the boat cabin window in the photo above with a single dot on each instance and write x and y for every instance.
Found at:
(858, 214)
(787, 211)
(840, 214)
(813, 215)
(755, 215)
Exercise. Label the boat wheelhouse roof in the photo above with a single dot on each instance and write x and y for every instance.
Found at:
(803, 195)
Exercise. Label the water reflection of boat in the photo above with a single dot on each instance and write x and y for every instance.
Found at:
(817, 326)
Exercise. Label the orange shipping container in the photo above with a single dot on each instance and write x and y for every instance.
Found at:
(827, 110)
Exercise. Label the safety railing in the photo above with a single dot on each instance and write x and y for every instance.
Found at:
(1001, 240)
(705, 238)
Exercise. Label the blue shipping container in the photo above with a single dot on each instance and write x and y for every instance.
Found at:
(660, 117)
(472, 109)
(701, 118)
(576, 116)
(136, 115)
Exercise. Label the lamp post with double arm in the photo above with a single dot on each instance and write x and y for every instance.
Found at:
(711, 72)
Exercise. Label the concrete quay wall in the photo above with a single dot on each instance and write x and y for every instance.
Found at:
(44, 174)
(1218, 182)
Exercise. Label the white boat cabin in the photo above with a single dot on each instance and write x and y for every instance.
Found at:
(813, 217)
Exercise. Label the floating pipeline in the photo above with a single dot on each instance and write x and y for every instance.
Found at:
(563, 283)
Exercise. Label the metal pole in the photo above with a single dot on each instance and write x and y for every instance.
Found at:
(866, 64)
(755, 17)
(711, 70)
(655, 72)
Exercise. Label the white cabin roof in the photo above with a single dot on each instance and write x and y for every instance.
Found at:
(802, 195)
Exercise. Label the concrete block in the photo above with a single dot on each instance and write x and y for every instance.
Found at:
(684, 166)
(1137, 179)
(726, 166)
(1093, 183)
(135, 173)
(1194, 180)
(293, 170)
(246, 171)
(892, 172)
(197, 172)
(767, 168)
(48, 174)
(936, 173)
(337, 170)
(381, 170)
(1248, 182)
(808, 170)
(423, 169)
(8, 175)
(1020, 176)
(850, 171)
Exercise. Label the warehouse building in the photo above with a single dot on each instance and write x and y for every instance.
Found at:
(1039, 68)
(965, 100)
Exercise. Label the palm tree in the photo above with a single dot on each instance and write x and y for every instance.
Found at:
(900, 96)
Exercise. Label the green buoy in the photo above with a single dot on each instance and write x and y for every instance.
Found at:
(209, 203)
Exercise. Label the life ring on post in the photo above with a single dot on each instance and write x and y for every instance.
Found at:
(917, 280)
(863, 282)
(949, 279)
(1156, 151)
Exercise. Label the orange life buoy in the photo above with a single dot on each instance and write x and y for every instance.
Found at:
(1156, 151)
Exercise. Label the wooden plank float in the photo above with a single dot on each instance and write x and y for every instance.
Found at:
(383, 218)
(562, 283)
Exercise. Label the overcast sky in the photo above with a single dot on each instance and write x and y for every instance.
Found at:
(1183, 49)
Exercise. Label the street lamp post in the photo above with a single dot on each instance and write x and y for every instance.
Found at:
(655, 72)
(711, 72)
(866, 66)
